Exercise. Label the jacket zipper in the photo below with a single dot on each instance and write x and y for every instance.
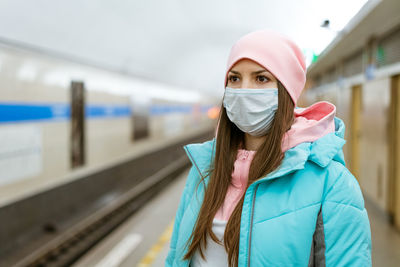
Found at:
(251, 224)
(251, 219)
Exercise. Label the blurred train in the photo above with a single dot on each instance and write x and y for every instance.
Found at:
(360, 73)
(59, 115)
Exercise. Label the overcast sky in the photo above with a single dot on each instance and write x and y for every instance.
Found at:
(179, 42)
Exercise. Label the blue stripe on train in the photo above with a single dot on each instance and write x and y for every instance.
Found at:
(157, 110)
(17, 112)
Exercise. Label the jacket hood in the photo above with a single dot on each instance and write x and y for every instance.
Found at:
(310, 124)
(312, 140)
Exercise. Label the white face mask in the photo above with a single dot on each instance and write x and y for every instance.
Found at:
(251, 110)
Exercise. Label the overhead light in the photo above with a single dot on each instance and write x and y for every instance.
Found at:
(325, 23)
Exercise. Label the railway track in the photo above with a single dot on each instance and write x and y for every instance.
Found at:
(70, 245)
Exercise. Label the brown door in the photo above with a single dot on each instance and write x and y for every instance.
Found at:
(77, 144)
(355, 130)
(393, 198)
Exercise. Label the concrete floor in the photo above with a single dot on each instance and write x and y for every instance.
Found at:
(140, 235)
(385, 238)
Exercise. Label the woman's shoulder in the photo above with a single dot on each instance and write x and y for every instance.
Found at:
(342, 186)
(337, 183)
(193, 178)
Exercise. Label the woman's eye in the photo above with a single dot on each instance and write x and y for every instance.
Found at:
(262, 79)
(233, 78)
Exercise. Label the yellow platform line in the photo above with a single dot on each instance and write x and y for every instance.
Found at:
(152, 254)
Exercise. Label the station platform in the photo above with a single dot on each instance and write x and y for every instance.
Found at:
(143, 240)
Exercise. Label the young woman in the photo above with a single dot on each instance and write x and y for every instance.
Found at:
(274, 187)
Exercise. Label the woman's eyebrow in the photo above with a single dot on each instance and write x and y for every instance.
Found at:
(255, 72)
(260, 71)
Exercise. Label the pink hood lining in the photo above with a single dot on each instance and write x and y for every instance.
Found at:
(310, 124)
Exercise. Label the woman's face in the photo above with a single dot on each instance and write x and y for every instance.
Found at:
(249, 74)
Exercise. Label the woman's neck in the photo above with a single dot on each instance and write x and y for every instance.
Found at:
(253, 142)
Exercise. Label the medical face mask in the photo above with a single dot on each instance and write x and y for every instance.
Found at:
(251, 110)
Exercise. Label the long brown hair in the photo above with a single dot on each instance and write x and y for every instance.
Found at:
(267, 158)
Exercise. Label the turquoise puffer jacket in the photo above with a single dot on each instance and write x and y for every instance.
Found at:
(308, 212)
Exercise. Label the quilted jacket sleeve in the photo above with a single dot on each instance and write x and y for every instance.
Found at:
(346, 225)
(179, 213)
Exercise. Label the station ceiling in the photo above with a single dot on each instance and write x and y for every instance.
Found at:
(179, 42)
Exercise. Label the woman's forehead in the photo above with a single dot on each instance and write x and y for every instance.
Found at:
(247, 65)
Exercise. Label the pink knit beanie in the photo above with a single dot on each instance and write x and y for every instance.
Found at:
(276, 53)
